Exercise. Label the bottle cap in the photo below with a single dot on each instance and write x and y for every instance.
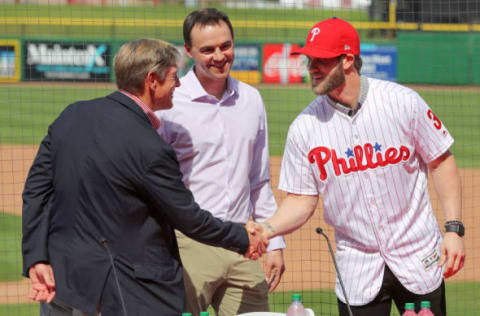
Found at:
(204, 314)
(410, 306)
(425, 304)
(296, 297)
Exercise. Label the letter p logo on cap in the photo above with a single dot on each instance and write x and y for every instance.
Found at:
(315, 31)
(330, 38)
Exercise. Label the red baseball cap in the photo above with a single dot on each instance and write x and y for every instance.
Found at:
(330, 38)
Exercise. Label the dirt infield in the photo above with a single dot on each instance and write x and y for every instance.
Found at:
(307, 260)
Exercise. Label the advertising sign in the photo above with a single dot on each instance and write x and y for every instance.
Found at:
(246, 64)
(67, 61)
(379, 61)
(280, 67)
(9, 61)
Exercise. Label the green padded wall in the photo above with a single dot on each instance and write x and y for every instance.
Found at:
(438, 58)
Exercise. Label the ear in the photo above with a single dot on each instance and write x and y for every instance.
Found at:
(348, 62)
(188, 50)
(150, 80)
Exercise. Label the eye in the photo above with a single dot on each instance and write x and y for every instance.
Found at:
(207, 50)
(226, 46)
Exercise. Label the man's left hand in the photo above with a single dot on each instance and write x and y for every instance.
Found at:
(42, 282)
(274, 267)
(452, 254)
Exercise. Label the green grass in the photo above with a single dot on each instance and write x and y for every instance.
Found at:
(463, 299)
(10, 251)
(460, 112)
(174, 14)
(19, 310)
(283, 105)
(26, 112)
(323, 302)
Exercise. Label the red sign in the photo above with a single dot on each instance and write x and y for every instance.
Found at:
(280, 67)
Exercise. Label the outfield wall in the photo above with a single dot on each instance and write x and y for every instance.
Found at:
(413, 58)
(438, 58)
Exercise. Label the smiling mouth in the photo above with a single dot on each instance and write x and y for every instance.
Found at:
(219, 66)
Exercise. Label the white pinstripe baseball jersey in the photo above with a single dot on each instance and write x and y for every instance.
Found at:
(370, 169)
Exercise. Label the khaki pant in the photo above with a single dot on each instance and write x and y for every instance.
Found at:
(215, 276)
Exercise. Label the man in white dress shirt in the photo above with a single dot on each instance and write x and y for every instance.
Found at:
(218, 129)
(366, 146)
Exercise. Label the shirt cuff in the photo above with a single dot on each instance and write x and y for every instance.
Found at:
(276, 243)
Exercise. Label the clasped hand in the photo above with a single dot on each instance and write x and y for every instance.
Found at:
(258, 240)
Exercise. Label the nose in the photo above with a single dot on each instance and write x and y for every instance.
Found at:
(218, 55)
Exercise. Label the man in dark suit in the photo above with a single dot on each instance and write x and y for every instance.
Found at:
(104, 195)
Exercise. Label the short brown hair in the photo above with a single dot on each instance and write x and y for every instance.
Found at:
(135, 59)
(207, 16)
(358, 63)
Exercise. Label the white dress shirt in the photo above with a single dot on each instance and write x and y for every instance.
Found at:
(222, 148)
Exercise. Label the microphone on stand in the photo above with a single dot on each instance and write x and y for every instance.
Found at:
(104, 243)
(320, 231)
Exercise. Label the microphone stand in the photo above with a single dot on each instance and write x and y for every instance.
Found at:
(320, 231)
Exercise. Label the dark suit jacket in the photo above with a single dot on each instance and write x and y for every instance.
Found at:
(104, 178)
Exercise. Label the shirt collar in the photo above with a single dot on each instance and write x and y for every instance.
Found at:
(145, 108)
(196, 92)
(364, 85)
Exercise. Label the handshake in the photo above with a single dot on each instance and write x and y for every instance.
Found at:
(258, 235)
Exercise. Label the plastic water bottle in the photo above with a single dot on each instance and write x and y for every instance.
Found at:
(204, 314)
(425, 309)
(409, 310)
(296, 308)
(186, 314)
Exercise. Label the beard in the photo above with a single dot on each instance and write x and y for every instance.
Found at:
(332, 81)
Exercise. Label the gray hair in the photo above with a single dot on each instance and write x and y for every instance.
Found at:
(135, 59)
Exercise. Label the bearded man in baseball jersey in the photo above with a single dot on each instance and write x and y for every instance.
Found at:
(218, 129)
(366, 146)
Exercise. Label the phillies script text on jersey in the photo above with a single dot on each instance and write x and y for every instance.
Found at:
(322, 155)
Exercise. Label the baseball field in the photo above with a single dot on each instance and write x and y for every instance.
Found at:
(27, 109)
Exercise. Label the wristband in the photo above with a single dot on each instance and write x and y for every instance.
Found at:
(455, 227)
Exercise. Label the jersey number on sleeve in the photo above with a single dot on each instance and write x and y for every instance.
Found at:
(434, 118)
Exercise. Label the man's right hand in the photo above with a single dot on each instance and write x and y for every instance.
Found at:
(258, 241)
(43, 282)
